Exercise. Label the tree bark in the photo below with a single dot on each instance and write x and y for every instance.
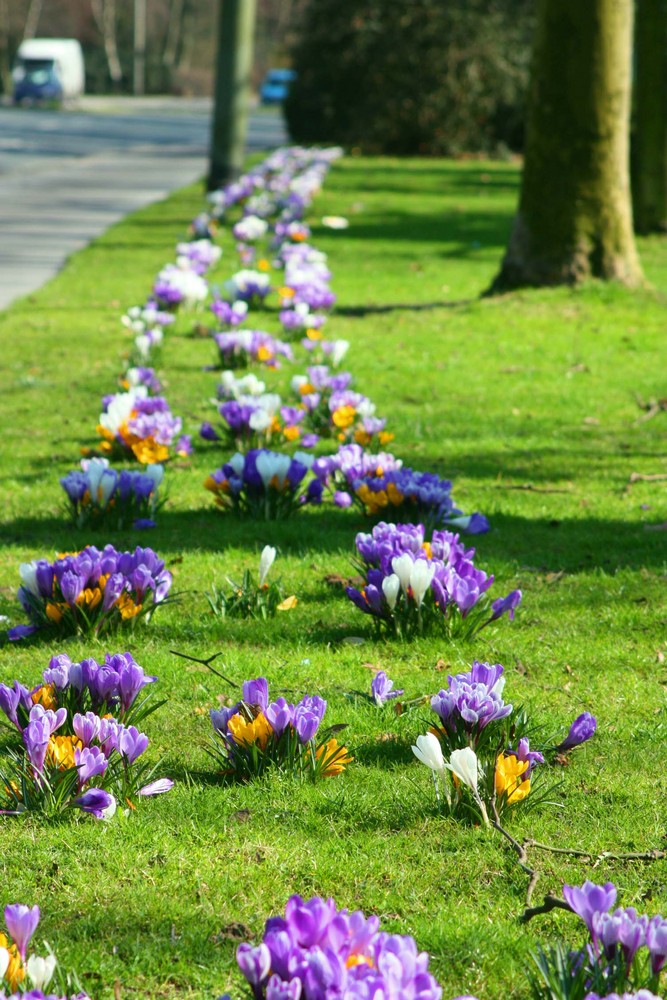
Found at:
(575, 216)
(649, 140)
(32, 19)
(236, 27)
(104, 12)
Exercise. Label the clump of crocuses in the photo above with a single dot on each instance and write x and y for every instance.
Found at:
(134, 424)
(264, 484)
(256, 734)
(99, 495)
(23, 974)
(91, 591)
(332, 409)
(75, 743)
(485, 742)
(414, 586)
(380, 485)
(625, 953)
(240, 348)
(317, 951)
(250, 599)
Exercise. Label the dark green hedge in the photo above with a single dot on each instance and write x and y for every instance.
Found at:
(412, 76)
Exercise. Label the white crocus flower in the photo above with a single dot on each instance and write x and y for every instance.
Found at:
(402, 567)
(40, 970)
(429, 752)
(155, 471)
(265, 563)
(4, 962)
(119, 409)
(297, 382)
(240, 308)
(110, 810)
(463, 763)
(143, 345)
(270, 465)
(338, 352)
(105, 488)
(28, 574)
(304, 458)
(420, 579)
(237, 463)
(95, 469)
(259, 420)
(390, 588)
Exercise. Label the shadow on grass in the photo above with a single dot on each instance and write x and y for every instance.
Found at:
(570, 544)
(367, 310)
(465, 228)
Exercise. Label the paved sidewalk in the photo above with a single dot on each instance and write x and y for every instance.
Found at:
(65, 177)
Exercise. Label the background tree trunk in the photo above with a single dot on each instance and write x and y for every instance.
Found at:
(104, 12)
(649, 140)
(32, 19)
(236, 29)
(575, 216)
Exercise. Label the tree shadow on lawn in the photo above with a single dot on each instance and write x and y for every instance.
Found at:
(468, 229)
(573, 545)
(570, 544)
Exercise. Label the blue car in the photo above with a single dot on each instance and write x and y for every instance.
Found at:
(37, 80)
(276, 86)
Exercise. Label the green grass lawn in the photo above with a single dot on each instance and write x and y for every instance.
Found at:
(527, 402)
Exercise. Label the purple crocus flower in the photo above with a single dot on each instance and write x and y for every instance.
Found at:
(255, 964)
(256, 693)
(656, 942)
(208, 432)
(158, 787)
(90, 762)
(86, 727)
(523, 753)
(131, 679)
(21, 632)
(590, 899)
(131, 743)
(280, 715)
(582, 729)
(21, 923)
(382, 688)
(11, 699)
(97, 802)
(507, 605)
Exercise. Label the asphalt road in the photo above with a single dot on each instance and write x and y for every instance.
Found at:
(66, 176)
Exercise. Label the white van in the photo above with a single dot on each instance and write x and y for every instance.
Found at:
(48, 69)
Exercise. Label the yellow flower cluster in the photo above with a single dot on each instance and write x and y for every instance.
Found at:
(509, 778)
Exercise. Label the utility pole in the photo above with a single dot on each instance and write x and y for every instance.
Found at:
(139, 69)
(236, 28)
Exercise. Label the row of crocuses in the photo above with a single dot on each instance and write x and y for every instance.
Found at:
(77, 743)
(437, 585)
(316, 951)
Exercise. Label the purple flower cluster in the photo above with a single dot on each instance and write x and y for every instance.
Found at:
(99, 494)
(412, 584)
(200, 254)
(264, 484)
(239, 348)
(318, 952)
(381, 485)
(335, 410)
(91, 590)
(472, 700)
(300, 318)
(618, 934)
(108, 687)
(229, 314)
(180, 285)
(304, 718)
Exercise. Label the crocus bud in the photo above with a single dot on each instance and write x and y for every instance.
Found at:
(582, 729)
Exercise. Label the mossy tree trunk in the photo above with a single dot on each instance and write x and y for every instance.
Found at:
(236, 35)
(575, 215)
(649, 140)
